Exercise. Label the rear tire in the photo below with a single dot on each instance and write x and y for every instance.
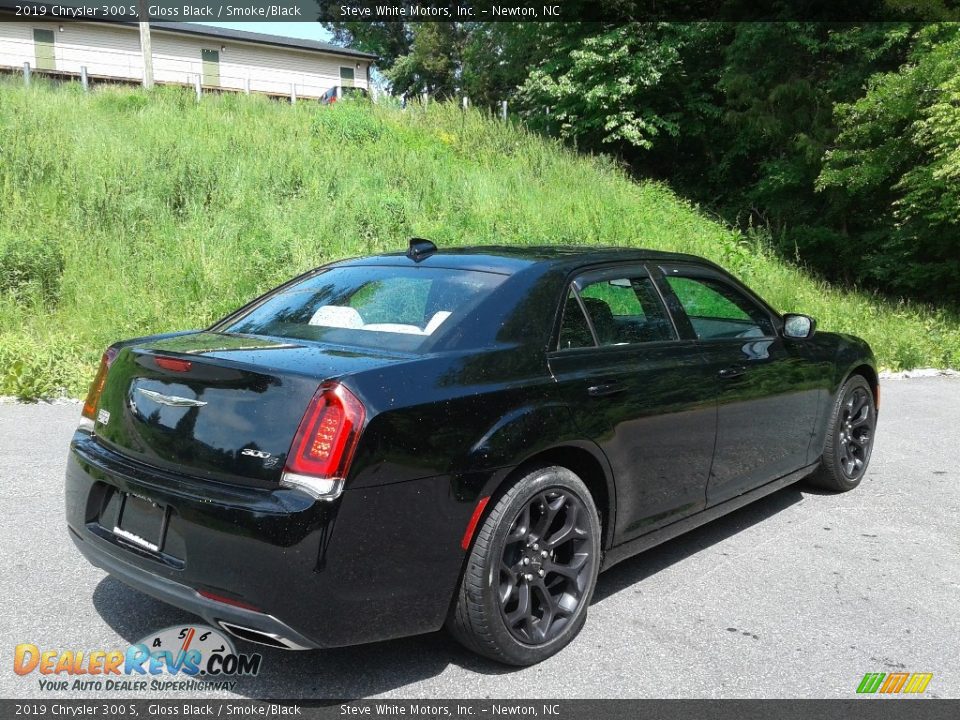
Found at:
(531, 572)
(850, 433)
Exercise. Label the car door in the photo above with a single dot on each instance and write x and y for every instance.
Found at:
(638, 390)
(768, 390)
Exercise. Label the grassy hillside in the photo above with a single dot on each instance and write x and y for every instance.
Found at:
(124, 214)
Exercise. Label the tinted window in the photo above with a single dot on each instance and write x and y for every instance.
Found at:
(624, 311)
(381, 307)
(717, 310)
(574, 330)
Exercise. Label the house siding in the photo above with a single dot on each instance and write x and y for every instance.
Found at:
(113, 51)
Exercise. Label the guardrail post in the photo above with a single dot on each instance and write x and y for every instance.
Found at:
(84, 80)
(293, 94)
(26, 73)
(466, 102)
(197, 86)
(503, 110)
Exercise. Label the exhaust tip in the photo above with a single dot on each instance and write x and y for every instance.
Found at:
(260, 637)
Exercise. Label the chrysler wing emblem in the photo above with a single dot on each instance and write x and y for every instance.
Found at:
(171, 400)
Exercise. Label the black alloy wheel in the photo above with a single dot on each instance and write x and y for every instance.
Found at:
(545, 566)
(530, 574)
(850, 435)
(855, 432)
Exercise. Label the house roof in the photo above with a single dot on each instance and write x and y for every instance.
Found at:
(259, 38)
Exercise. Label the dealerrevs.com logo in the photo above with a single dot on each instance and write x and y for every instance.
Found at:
(188, 658)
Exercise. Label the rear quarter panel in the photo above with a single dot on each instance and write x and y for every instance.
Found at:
(457, 415)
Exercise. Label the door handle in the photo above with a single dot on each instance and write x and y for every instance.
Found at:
(732, 372)
(604, 389)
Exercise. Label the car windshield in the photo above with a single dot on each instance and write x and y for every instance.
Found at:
(388, 308)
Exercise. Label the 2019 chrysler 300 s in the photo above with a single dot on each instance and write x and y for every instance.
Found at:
(387, 445)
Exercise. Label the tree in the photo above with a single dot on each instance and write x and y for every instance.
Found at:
(433, 63)
(497, 58)
(895, 169)
(387, 40)
(600, 85)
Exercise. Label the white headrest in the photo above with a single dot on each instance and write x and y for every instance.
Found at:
(337, 316)
(436, 321)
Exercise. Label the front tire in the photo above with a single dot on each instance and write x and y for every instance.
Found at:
(531, 572)
(850, 434)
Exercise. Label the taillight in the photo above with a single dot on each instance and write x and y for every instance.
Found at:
(325, 442)
(174, 364)
(96, 387)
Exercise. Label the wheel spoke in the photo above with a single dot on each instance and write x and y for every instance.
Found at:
(857, 402)
(521, 526)
(570, 569)
(569, 530)
(522, 610)
(549, 513)
(844, 452)
(548, 607)
(862, 418)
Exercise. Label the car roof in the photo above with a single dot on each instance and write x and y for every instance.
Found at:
(510, 259)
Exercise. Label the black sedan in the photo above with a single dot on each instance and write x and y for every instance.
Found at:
(387, 445)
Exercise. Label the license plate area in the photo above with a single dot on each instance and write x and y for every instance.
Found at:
(141, 522)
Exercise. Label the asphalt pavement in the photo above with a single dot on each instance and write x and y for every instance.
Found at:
(796, 596)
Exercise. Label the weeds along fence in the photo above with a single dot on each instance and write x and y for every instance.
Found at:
(109, 66)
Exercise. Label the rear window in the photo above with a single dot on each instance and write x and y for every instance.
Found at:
(391, 308)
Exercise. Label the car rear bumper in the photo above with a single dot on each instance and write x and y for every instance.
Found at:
(378, 563)
(247, 624)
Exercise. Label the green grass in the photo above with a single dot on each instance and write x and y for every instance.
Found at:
(125, 214)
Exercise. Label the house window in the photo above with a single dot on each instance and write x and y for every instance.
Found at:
(211, 67)
(346, 77)
(43, 44)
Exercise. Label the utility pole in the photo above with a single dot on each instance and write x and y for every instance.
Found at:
(145, 46)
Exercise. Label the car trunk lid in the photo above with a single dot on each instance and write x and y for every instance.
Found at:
(222, 407)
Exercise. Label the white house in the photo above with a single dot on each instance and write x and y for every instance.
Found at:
(182, 52)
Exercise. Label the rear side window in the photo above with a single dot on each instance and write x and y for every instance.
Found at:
(717, 310)
(622, 311)
(574, 329)
(393, 308)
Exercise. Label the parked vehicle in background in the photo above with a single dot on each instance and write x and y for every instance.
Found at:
(338, 91)
(387, 445)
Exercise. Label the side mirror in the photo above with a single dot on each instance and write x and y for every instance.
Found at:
(799, 327)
